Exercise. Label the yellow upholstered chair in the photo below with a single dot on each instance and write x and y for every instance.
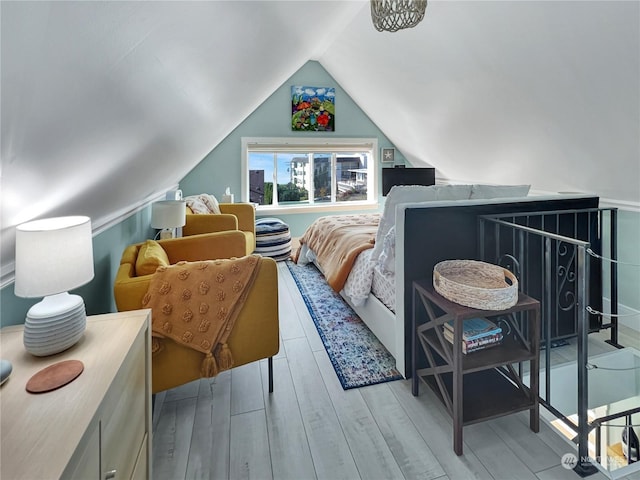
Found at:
(255, 334)
(234, 216)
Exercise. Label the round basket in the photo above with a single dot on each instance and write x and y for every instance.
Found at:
(476, 284)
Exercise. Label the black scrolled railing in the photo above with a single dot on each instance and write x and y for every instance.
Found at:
(548, 252)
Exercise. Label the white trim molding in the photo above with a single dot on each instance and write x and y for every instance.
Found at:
(7, 271)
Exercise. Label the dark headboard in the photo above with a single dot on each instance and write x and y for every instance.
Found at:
(450, 232)
(407, 176)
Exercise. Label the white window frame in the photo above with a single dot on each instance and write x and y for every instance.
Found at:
(314, 145)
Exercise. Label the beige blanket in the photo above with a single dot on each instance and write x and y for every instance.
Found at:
(337, 240)
(196, 304)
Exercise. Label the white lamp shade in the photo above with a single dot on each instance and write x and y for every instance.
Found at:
(168, 214)
(53, 255)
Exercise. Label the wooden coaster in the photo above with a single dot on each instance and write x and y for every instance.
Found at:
(55, 376)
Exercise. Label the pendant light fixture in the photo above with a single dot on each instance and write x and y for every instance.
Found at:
(394, 15)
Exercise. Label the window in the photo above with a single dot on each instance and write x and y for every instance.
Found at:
(300, 173)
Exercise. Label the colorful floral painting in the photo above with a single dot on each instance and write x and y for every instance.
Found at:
(313, 108)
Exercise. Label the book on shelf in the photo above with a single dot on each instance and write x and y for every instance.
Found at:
(476, 344)
(474, 328)
(481, 347)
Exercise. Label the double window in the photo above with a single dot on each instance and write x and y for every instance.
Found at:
(300, 173)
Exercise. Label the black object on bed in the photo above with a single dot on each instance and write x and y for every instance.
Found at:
(407, 176)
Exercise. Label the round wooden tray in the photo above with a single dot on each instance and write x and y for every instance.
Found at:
(475, 284)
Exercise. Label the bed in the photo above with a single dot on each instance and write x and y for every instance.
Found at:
(419, 227)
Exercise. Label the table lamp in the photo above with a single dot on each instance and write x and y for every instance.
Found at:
(167, 215)
(53, 256)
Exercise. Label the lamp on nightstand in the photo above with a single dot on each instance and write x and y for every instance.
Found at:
(167, 215)
(53, 256)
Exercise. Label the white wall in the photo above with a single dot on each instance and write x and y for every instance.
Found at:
(540, 92)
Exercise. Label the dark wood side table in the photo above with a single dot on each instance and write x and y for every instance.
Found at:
(483, 384)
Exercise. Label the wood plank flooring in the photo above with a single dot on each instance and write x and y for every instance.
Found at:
(231, 427)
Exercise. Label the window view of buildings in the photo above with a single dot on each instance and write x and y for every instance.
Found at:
(331, 177)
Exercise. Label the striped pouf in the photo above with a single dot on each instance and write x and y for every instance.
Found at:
(273, 238)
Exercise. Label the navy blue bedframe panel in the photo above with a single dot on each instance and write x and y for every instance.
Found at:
(435, 234)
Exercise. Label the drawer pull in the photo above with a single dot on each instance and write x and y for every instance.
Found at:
(110, 474)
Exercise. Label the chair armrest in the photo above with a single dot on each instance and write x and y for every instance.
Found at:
(207, 246)
(128, 289)
(245, 212)
(207, 223)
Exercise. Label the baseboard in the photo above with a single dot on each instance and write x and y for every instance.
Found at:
(629, 317)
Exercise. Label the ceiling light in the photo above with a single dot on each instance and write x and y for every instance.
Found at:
(394, 15)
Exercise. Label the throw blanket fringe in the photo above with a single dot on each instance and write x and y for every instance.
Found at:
(196, 304)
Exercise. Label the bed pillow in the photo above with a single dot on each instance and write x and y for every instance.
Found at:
(453, 192)
(387, 260)
(397, 195)
(499, 191)
(150, 256)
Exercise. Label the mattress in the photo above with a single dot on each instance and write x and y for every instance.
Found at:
(383, 287)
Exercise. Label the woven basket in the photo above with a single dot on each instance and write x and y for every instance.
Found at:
(476, 284)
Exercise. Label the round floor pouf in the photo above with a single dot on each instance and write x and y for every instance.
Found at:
(273, 238)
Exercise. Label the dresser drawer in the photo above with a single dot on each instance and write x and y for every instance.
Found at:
(124, 421)
(88, 464)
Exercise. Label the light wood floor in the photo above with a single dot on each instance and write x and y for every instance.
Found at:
(308, 428)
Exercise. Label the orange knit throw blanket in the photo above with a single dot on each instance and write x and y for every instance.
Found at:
(337, 240)
(196, 304)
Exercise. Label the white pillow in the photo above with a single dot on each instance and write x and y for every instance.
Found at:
(499, 191)
(387, 260)
(397, 195)
(453, 192)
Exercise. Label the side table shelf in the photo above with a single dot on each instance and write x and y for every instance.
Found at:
(483, 384)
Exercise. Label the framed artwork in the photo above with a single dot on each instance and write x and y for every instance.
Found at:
(313, 109)
(388, 155)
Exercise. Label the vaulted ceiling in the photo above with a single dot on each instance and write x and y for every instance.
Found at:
(99, 99)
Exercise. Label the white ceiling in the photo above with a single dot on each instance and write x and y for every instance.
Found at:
(99, 99)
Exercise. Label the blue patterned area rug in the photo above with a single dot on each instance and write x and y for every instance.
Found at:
(357, 355)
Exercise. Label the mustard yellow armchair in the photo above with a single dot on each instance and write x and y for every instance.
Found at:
(255, 334)
(234, 216)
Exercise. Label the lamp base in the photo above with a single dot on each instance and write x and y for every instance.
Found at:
(167, 233)
(54, 324)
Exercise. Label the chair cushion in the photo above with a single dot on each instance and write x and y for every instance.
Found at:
(150, 256)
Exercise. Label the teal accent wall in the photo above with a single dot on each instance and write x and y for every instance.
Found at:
(97, 294)
(222, 167)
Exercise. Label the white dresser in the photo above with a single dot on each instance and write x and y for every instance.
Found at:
(96, 427)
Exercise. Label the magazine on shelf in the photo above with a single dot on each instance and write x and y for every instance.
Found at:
(469, 346)
(481, 347)
(475, 328)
